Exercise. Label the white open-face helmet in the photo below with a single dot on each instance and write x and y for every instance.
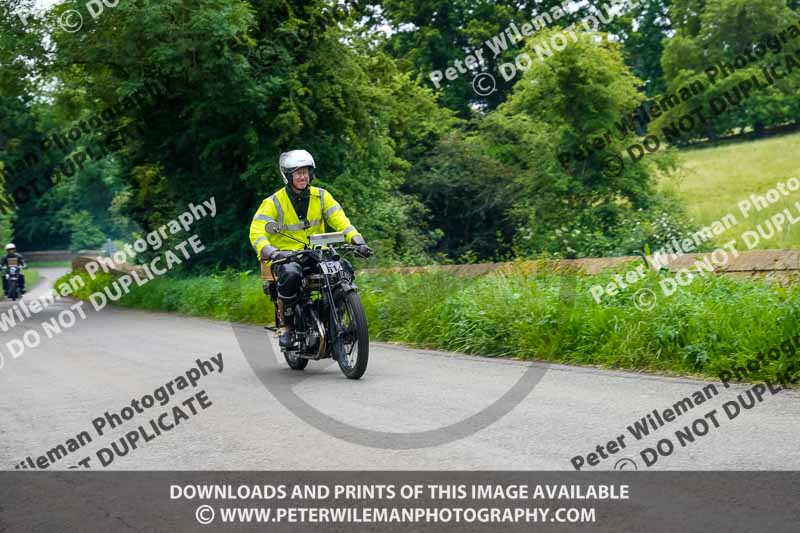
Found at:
(293, 159)
(10, 246)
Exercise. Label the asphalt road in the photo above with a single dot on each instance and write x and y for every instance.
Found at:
(53, 392)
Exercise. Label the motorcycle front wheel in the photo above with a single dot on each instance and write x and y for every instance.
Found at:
(295, 362)
(352, 347)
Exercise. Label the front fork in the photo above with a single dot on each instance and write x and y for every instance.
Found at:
(337, 331)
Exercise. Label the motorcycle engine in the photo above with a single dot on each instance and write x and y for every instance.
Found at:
(315, 336)
(312, 339)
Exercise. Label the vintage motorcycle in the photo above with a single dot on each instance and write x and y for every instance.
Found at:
(328, 318)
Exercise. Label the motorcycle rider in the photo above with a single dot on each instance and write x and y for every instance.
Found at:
(300, 210)
(11, 253)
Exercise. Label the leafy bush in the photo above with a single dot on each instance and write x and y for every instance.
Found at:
(84, 234)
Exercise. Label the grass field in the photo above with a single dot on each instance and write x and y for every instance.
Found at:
(712, 182)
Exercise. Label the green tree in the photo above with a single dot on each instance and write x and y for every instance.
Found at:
(580, 208)
(22, 62)
(646, 29)
(468, 195)
(243, 81)
(84, 234)
(430, 35)
(6, 227)
(713, 33)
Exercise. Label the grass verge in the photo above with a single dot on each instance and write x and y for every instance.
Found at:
(31, 278)
(703, 329)
(50, 264)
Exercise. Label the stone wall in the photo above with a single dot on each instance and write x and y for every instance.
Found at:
(776, 265)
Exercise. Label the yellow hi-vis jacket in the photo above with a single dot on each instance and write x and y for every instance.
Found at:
(278, 208)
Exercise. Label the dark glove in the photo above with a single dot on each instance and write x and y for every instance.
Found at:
(271, 254)
(362, 249)
(280, 255)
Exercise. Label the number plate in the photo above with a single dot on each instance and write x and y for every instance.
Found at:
(330, 267)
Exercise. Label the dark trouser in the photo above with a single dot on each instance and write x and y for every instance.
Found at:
(290, 278)
(20, 280)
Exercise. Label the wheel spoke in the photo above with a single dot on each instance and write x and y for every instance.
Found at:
(352, 338)
(348, 336)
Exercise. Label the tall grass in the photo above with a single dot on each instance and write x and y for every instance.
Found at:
(702, 329)
(231, 296)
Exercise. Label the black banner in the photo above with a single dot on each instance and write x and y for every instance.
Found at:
(400, 501)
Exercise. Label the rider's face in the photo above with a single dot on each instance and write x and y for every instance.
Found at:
(300, 178)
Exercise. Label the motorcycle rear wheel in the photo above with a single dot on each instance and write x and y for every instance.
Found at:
(355, 336)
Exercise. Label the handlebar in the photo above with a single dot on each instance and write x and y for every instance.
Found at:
(295, 253)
